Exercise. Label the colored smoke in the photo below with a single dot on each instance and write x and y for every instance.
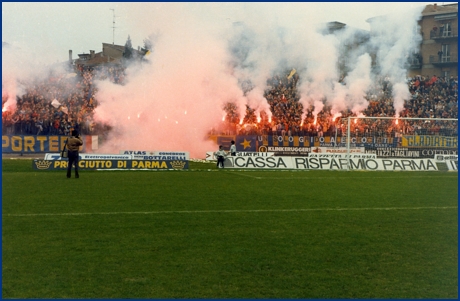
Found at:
(171, 102)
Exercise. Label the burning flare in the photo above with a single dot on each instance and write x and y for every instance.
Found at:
(336, 115)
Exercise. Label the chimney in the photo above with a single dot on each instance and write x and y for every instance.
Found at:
(70, 55)
(91, 52)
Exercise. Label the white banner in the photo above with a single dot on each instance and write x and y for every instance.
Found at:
(338, 150)
(157, 155)
(442, 158)
(57, 156)
(285, 149)
(327, 163)
(134, 152)
(341, 155)
(55, 103)
(210, 155)
(452, 165)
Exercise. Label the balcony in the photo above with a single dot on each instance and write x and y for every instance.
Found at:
(445, 35)
(415, 63)
(442, 61)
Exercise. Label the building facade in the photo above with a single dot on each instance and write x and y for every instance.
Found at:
(439, 47)
(111, 55)
(437, 53)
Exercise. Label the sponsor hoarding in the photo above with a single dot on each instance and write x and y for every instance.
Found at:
(327, 163)
(112, 164)
(31, 144)
(442, 158)
(286, 150)
(406, 152)
(326, 141)
(23, 144)
(57, 156)
(341, 155)
(210, 155)
(338, 150)
(429, 141)
(452, 165)
(157, 155)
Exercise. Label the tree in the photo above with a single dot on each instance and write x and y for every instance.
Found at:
(148, 44)
(129, 51)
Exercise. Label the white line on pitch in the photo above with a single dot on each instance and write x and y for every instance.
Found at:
(335, 178)
(228, 211)
(244, 175)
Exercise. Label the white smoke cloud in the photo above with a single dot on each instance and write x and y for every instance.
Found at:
(175, 100)
(199, 64)
(358, 82)
(393, 39)
(195, 69)
(396, 37)
(20, 68)
(320, 70)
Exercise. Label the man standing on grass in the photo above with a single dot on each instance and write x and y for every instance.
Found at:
(73, 145)
(220, 155)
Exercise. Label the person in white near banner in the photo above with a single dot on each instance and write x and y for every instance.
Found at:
(233, 148)
(220, 155)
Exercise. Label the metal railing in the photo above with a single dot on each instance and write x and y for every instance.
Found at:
(444, 59)
(453, 33)
(415, 62)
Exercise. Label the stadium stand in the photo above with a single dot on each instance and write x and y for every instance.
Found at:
(59, 103)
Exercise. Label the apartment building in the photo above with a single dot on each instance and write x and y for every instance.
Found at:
(439, 47)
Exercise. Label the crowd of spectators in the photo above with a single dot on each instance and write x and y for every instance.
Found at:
(62, 102)
(58, 103)
(431, 97)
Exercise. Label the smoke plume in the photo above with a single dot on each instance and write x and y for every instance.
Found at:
(198, 65)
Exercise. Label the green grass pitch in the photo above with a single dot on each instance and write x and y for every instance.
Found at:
(209, 233)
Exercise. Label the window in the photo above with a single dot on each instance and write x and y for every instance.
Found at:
(445, 53)
(446, 30)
